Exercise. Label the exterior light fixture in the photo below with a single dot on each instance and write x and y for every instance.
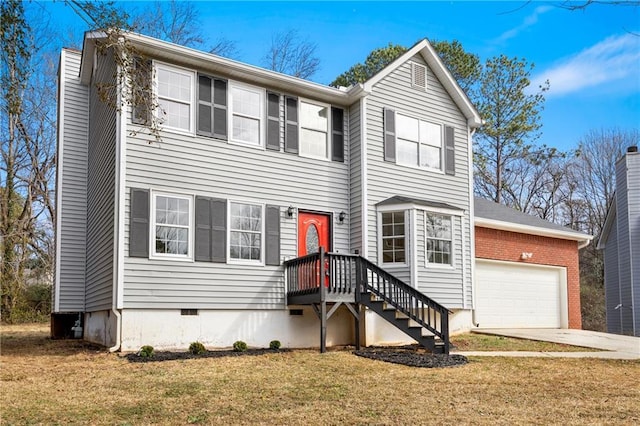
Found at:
(290, 211)
(341, 216)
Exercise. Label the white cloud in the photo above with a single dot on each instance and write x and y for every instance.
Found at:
(526, 23)
(614, 59)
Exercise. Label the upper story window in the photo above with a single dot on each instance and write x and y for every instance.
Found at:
(175, 97)
(245, 232)
(171, 224)
(314, 129)
(247, 112)
(439, 239)
(393, 237)
(419, 143)
(413, 142)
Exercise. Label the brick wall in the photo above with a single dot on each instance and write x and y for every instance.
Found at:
(508, 246)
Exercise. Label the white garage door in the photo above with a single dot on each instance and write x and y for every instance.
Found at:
(514, 295)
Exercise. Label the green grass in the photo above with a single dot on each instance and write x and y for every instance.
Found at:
(486, 342)
(68, 382)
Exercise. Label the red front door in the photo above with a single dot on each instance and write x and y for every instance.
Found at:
(314, 230)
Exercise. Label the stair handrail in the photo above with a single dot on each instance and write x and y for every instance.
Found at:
(414, 301)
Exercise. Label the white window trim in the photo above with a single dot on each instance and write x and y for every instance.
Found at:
(429, 265)
(192, 101)
(407, 237)
(261, 116)
(152, 229)
(442, 147)
(327, 157)
(232, 261)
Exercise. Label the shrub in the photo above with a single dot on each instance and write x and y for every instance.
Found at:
(197, 348)
(146, 351)
(239, 346)
(274, 344)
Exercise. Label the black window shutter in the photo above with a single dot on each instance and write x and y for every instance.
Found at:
(220, 108)
(203, 229)
(141, 93)
(218, 230)
(273, 121)
(389, 135)
(205, 106)
(291, 129)
(272, 241)
(337, 134)
(450, 152)
(139, 223)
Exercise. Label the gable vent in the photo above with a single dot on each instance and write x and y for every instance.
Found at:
(419, 76)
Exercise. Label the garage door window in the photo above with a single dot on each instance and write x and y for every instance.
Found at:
(439, 235)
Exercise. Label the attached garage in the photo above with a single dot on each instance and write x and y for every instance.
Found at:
(515, 295)
(526, 271)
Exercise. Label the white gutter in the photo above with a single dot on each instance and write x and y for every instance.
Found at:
(583, 239)
(229, 67)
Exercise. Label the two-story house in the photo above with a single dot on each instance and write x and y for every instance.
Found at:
(271, 208)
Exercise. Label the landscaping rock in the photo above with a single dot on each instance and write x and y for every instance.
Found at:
(171, 356)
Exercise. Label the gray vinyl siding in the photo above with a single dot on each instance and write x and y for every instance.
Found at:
(386, 179)
(355, 187)
(101, 192)
(72, 184)
(612, 283)
(624, 249)
(193, 165)
(633, 195)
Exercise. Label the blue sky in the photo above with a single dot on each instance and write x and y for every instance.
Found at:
(591, 57)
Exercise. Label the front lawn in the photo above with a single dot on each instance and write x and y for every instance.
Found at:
(486, 342)
(68, 382)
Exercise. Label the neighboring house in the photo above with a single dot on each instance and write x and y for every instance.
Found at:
(620, 241)
(526, 270)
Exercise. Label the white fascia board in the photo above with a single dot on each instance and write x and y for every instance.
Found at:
(413, 206)
(209, 62)
(583, 239)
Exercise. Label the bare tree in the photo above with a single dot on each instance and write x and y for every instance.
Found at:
(292, 55)
(179, 22)
(27, 149)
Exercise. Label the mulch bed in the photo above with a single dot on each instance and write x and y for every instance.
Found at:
(406, 355)
(412, 357)
(171, 356)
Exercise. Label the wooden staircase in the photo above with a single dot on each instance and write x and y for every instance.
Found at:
(325, 278)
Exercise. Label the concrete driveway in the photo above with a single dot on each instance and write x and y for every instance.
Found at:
(616, 346)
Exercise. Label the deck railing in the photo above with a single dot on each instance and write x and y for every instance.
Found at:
(335, 271)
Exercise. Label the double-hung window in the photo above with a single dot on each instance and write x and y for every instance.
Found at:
(393, 237)
(439, 239)
(419, 143)
(247, 112)
(175, 97)
(171, 218)
(245, 232)
(314, 129)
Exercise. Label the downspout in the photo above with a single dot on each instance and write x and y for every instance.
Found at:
(118, 228)
(472, 230)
